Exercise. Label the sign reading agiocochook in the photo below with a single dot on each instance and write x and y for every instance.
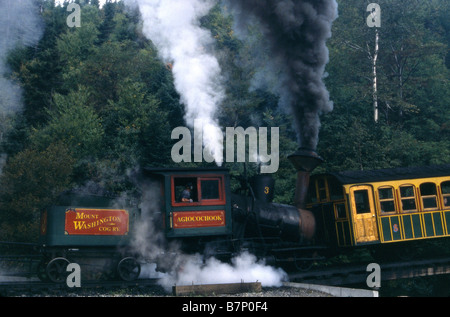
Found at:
(199, 219)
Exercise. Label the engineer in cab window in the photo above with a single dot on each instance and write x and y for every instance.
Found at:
(186, 194)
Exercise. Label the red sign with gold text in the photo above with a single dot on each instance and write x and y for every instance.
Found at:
(198, 219)
(104, 222)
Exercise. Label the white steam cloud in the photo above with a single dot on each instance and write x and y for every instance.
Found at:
(174, 28)
(147, 240)
(21, 25)
(244, 267)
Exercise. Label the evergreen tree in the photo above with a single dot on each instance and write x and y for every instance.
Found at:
(98, 101)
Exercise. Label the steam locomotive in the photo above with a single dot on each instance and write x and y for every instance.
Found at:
(213, 221)
(195, 208)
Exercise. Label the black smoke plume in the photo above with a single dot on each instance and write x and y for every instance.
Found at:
(296, 32)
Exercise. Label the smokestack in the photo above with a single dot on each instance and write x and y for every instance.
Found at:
(304, 161)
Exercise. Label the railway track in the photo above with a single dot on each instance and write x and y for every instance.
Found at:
(34, 286)
(358, 273)
(332, 276)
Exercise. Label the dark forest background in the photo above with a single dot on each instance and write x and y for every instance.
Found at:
(98, 103)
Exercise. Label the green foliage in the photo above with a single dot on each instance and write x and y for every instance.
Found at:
(73, 123)
(76, 45)
(30, 181)
(413, 88)
(98, 102)
(137, 129)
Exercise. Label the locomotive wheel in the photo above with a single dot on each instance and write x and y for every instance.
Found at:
(57, 270)
(306, 262)
(128, 269)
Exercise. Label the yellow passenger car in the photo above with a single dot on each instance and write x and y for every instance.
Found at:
(381, 206)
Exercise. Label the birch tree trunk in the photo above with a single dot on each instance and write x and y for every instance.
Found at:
(375, 87)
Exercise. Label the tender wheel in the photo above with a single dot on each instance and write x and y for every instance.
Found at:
(128, 269)
(57, 270)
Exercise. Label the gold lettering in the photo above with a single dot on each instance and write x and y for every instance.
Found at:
(200, 218)
(82, 225)
(82, 216)
(79, 225)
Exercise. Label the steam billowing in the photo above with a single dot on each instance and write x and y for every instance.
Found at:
(296, 32)
(21, 26)
(174, 28)
(244, 267)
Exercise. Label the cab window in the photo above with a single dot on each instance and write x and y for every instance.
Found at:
(408, 198)
(185, 187)
(445, 190)
(201, 190)
(386, 197)
(210, 189)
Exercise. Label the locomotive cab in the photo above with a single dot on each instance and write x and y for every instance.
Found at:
(194, 202)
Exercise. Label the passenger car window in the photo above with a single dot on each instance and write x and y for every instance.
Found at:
(362, 201)
(408, 198)
(340, 211)
(386, 196)
(335, 189)
(428, 194)
(322, 189)
(445, 190)
(312, 195)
